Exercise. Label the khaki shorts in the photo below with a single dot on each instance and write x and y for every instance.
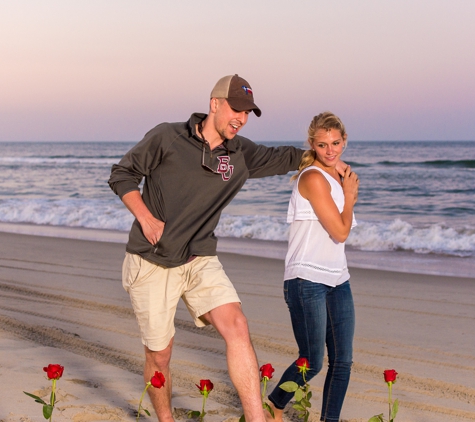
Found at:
(155, 291)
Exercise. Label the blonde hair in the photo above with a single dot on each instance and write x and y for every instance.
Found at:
(326, 121)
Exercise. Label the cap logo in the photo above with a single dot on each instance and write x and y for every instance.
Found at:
(247, 90)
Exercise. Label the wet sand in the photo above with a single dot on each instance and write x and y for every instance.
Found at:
(61, 301)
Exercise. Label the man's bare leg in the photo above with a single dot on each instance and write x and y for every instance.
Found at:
(161, 397)
(243, 368)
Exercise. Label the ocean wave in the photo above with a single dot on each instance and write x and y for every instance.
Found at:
(109, 160)
(401, 235)
(253, 227)
(112, 159)
(58, 160)
(94, 214)
(368, 235)
(469, 164)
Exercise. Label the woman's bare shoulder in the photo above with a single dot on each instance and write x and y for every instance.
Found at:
(312, 175)
(312, 181)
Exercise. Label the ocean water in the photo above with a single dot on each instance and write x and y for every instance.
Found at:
(416, 197)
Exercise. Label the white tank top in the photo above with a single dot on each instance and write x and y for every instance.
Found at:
(313, 255)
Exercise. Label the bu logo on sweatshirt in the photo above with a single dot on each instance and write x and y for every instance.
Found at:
(224, 168)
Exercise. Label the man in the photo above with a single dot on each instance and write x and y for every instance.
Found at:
(192, 171)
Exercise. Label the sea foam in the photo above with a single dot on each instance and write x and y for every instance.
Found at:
(110, 214)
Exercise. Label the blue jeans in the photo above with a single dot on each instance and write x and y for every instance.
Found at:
(321, 315)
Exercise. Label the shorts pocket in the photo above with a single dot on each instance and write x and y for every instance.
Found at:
(130, 270)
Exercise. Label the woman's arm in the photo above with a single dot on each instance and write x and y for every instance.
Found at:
(315, 188)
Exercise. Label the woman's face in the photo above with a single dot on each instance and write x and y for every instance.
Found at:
(328, 145)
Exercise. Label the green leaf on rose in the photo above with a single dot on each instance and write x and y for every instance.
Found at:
(289, 386)
(47, 411)
(146, 411)
(298, 395)
(267, 407)
(298, 406)
(242, 419)
(193, 414)
(37, 399)
(394, 409)
(305, 402)
(377, 418)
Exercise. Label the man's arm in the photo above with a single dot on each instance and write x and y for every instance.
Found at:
(341, 167)
(152, 228)
(138, 162)
(127, 175)
(265, 161)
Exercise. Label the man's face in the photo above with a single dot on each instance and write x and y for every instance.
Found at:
(227, 121)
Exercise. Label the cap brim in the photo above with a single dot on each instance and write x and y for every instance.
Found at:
(242, 104)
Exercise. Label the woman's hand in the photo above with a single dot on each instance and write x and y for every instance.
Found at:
(350, 186)
(314, 187)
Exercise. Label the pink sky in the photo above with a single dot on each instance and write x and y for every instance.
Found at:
(112, 69)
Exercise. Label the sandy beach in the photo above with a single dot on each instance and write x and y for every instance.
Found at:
(61, 301)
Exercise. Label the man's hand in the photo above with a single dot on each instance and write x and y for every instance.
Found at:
(152, 228)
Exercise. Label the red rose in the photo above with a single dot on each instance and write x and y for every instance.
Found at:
(158, 380)
(54, 371)
(390, 375)
(303, 364)
(266, 371)
(205, 387)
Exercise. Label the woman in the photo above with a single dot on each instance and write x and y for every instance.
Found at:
(316, 286)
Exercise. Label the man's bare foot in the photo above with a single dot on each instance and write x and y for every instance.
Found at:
(278, 414)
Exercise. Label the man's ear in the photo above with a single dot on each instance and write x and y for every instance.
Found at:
(213, 105)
